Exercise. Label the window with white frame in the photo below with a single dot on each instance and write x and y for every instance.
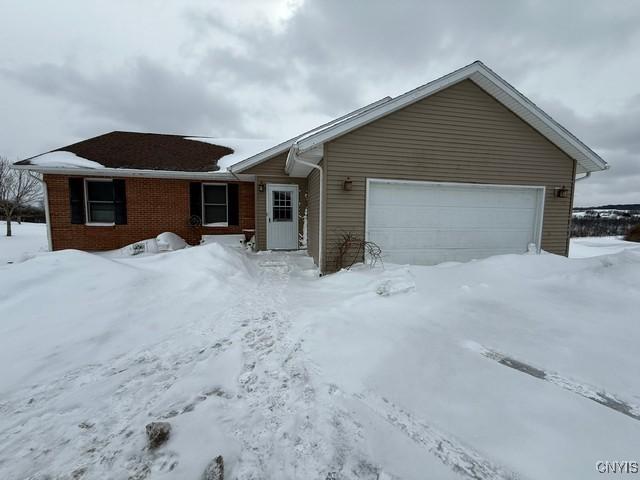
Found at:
(215, 205)
(100, 199)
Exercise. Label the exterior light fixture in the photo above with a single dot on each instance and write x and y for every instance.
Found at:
(261, 187)
(348, 184)
(562, 192)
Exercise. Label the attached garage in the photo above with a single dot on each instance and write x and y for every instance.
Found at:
(463, 167)
(425, 223)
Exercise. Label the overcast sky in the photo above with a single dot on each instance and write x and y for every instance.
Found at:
(74, 69)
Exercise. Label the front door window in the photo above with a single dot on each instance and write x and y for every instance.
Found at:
(282, 206)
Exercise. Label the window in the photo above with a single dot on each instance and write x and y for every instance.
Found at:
(282, 207)
(214, 205)
(100, 201)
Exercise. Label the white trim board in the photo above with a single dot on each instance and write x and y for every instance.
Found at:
(87, 220)
(226, 193)
(132, 173)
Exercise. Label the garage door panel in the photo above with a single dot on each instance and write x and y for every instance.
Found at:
(433, 257)
(451, 196)
(425, 239)
(428, 223)
(465, 217)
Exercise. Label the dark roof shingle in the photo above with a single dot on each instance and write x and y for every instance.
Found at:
(147, 151)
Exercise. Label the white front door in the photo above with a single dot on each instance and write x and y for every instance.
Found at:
(282, 217)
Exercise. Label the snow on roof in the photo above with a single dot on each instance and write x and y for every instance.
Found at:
(61, 159)
(243, 148)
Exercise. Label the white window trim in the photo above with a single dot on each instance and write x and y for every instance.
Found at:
(86, 203)
(226, 190)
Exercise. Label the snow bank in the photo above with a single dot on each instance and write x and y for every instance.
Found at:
(406, 358)
(64, 160)
(27, 240)
(479, 368)
(165, 242)
(168, 242)
(585, 247)
(243, 148)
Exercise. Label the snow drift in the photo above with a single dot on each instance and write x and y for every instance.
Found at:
(509, 367)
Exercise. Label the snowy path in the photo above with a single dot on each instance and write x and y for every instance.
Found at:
(274, 410)
(284, 401)
(365, 374)
(462, 459)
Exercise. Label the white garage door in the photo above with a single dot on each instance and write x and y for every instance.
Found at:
(427, 223)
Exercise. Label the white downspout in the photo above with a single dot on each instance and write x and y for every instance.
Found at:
(587, 175)
(293, 155)
(47, 216)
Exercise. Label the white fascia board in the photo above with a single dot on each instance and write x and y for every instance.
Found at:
(261, 157)
(396, 103)
(128, 173)
(486, 79)
(536, 117)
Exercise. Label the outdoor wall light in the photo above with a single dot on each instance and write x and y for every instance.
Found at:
(348, 184)
(261, 187)
(562, 192)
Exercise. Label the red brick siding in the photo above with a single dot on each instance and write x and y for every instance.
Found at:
(153, 206)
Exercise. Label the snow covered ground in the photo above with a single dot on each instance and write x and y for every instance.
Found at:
(27, 239)
(595, 246)
(517, 366)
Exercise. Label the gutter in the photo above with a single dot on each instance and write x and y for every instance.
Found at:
(131, 173)
(293, 157)
(47, 215)
(587, 175)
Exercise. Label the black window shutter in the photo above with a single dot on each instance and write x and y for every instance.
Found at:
(120, 202)
(233, 204)
(195, 199)
(76, 199)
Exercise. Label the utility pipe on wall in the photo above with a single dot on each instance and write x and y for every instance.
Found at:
(47, 216)
(293, 155)
(587, 175)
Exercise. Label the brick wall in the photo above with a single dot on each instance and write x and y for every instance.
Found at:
(153, 206)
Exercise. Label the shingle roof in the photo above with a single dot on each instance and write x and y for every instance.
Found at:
(146, 151)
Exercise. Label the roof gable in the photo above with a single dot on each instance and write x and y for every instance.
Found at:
(587, 160)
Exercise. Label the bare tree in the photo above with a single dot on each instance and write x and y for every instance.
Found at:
(18, 189)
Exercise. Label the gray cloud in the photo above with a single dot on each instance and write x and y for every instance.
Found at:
(140, 95)
(245, 70)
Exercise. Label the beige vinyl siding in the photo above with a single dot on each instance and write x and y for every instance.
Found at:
(313, 212)
(272, 171)
(272, 167)
(460, 134)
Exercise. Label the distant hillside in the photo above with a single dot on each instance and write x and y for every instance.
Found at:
(605, 220)
(622, 206)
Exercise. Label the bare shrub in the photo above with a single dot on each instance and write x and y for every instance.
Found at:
(18, 189)
(352, 249)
